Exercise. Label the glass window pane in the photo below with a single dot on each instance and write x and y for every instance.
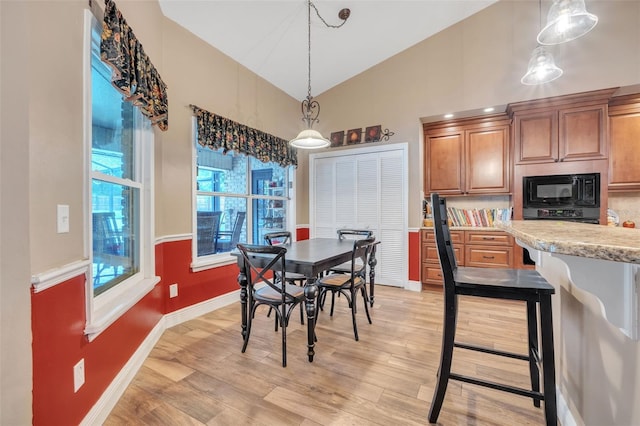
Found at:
(218, 172)
(267, 176)
(116, 225)
(112, 124)
(221, 223)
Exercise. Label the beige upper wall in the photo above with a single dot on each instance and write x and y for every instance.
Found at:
(478, 63)
(194, 72)
(200, 75)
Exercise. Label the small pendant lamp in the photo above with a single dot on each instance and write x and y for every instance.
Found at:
(567, 20)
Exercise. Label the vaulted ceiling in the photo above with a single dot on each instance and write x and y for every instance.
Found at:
(270, 37)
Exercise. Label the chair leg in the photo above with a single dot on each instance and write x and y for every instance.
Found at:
(446, 357)
(366, 303)
(248, 330)
(353, 314)
(548, 361)
(283, 326)
(532, 328)
(333, 301)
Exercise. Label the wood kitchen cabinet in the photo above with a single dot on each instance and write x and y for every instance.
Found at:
(468, 156)
(488, 249)
(478, 248)
(431, 272)
(564, 128)
(624, 139)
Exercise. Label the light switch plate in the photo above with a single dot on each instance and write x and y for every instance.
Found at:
(63, 218)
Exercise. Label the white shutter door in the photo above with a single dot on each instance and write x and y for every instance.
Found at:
(367, 191)
(345, 192)
(392, 250)
(324, 206)
(367, 194)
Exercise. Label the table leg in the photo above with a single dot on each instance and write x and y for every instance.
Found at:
(310, 293)
(242, 280)
(372, 273)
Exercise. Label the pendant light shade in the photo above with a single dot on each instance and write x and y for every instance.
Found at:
(309, 139)
(567, 20)
(541, 69)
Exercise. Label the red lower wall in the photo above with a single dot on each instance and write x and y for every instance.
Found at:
(58, 320)
(414, 256)
(302, 234)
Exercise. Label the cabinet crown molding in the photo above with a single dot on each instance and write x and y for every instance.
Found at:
(585, 99)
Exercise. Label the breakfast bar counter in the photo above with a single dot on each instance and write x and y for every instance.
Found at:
(596, 273)
(578, 239)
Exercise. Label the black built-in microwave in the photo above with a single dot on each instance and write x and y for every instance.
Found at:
(568, 197)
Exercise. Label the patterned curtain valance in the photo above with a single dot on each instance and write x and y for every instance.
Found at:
(218, 132)
(133, 73)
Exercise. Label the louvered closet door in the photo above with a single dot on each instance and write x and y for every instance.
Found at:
(325, 200)
(364, 191)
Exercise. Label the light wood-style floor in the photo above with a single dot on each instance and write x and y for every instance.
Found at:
(197, 375)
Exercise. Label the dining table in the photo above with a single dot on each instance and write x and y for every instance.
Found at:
(311, 258)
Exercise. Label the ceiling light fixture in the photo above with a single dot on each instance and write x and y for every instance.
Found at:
(309, 138)
(567, 20)
(542, 68)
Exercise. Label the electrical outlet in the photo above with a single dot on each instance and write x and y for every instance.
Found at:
(78, 375)
(173, 290)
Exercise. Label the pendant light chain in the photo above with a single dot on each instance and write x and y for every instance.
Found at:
(309, 138)
(309, 45)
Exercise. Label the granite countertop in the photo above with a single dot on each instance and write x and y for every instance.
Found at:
(578, 239)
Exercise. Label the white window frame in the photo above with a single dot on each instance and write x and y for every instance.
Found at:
(106, 308)
(220, 259)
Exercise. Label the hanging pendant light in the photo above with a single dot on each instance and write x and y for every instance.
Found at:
(542, 68)
(309, 138)
(567, 20)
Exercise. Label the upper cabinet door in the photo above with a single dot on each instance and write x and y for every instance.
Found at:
(583, 132)
(536, 137)
(624, 139)
(444, 158)
(487, 160)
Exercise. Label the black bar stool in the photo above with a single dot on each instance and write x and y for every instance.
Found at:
(510, 284)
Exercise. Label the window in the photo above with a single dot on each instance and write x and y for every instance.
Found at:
(119, 146)
(246, 198)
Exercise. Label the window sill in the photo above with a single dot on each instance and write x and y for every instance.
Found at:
(214, 261)
(104, 317)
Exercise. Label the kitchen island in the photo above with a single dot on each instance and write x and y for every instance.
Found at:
(595, 270)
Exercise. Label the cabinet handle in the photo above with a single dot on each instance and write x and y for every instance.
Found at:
(488, 238)
(488, 257)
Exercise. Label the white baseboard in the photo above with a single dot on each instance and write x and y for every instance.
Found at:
(564, 413)
(109, 398)
(101, 409)
(413, 286)
(190, 312)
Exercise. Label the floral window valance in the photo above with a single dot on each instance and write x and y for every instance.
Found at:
(218, 132)
(133, 73)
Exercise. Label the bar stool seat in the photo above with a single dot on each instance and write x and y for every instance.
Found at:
(509, 284)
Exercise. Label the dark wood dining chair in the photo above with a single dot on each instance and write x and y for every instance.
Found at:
(508, 284)
(349, 285)
(354, 234)
(281, 238)
(280, 296)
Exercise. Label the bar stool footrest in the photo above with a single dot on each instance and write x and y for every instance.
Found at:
(497, 386)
